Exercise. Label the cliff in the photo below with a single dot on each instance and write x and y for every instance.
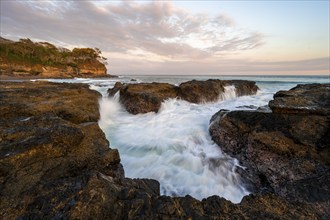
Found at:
(26, 58)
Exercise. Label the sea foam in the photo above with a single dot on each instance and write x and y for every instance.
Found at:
(173, 146)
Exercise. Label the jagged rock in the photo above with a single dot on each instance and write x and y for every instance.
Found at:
(147, 97)
(30, 99)
(211, 90)
(284, 153)
(202, 91)
(51, 148)
(60, 166)
(143, 97)
(303, 99)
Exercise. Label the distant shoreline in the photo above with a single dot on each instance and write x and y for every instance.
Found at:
(9, 78)
(228, 75)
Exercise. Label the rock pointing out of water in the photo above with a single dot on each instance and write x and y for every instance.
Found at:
(286, 152)
(147, 97)
(303, 99)
(55, 163)
(143, 97)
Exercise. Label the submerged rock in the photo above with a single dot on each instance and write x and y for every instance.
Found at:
(147, 97)
(284, 153)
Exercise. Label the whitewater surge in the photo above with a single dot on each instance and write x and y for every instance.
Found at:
(173, 146)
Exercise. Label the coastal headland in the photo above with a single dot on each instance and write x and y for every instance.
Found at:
(26, 59)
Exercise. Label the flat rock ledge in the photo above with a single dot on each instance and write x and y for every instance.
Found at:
(285, 152)
(55, 163)
(147, 97)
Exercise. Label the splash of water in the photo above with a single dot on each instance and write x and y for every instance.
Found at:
(230, 93)
(173, 146)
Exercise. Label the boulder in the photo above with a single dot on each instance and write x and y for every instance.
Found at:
(284, 153)
(147, 97)
(202, 91)
(303, 99)
(143, 97)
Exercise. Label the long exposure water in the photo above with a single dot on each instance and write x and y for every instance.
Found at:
(173, 146)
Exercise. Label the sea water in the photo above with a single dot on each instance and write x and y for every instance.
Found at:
(173, 146)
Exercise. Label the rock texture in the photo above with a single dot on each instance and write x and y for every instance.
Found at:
(287, 151)
(53, 155)
(143, 97)
(147, 97)
(88, 69)
(55, 163)
(303, 99)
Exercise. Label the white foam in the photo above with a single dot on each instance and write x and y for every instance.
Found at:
(173, 147)
(230, 93)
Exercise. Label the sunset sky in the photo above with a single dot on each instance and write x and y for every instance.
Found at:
(182, 37)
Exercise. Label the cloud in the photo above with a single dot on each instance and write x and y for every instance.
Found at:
(156, 28)
(220, 67)
(146, 38)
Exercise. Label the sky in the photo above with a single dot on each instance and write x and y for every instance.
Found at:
(182, 37)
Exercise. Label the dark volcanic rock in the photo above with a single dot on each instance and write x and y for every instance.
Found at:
(60, 166)
(29, 99)
(303, 99)
(284, 153)
(53, 153)
(147, 97)
(211, 90)
(202, 91)
(144, 97)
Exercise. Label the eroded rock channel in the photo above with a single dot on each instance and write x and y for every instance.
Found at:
(55, 163)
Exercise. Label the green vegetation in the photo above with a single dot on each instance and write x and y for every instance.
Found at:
(27, 52)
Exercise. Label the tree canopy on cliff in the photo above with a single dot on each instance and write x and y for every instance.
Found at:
(26, 51)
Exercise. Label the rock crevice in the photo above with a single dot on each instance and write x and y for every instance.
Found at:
(285, 151)
(55, 163)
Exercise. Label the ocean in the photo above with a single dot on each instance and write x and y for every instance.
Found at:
(173, 146)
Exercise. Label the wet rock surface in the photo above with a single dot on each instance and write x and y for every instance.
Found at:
(60, 166)
(143, 97)
(53, 153)
(147, 97)
(303, 99)
(285, 152)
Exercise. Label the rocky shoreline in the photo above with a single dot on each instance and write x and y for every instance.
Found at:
(55, 163)
(286, 151)
(147, 97)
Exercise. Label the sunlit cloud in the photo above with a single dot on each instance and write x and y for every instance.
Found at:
(154, 28)
(155, 37)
